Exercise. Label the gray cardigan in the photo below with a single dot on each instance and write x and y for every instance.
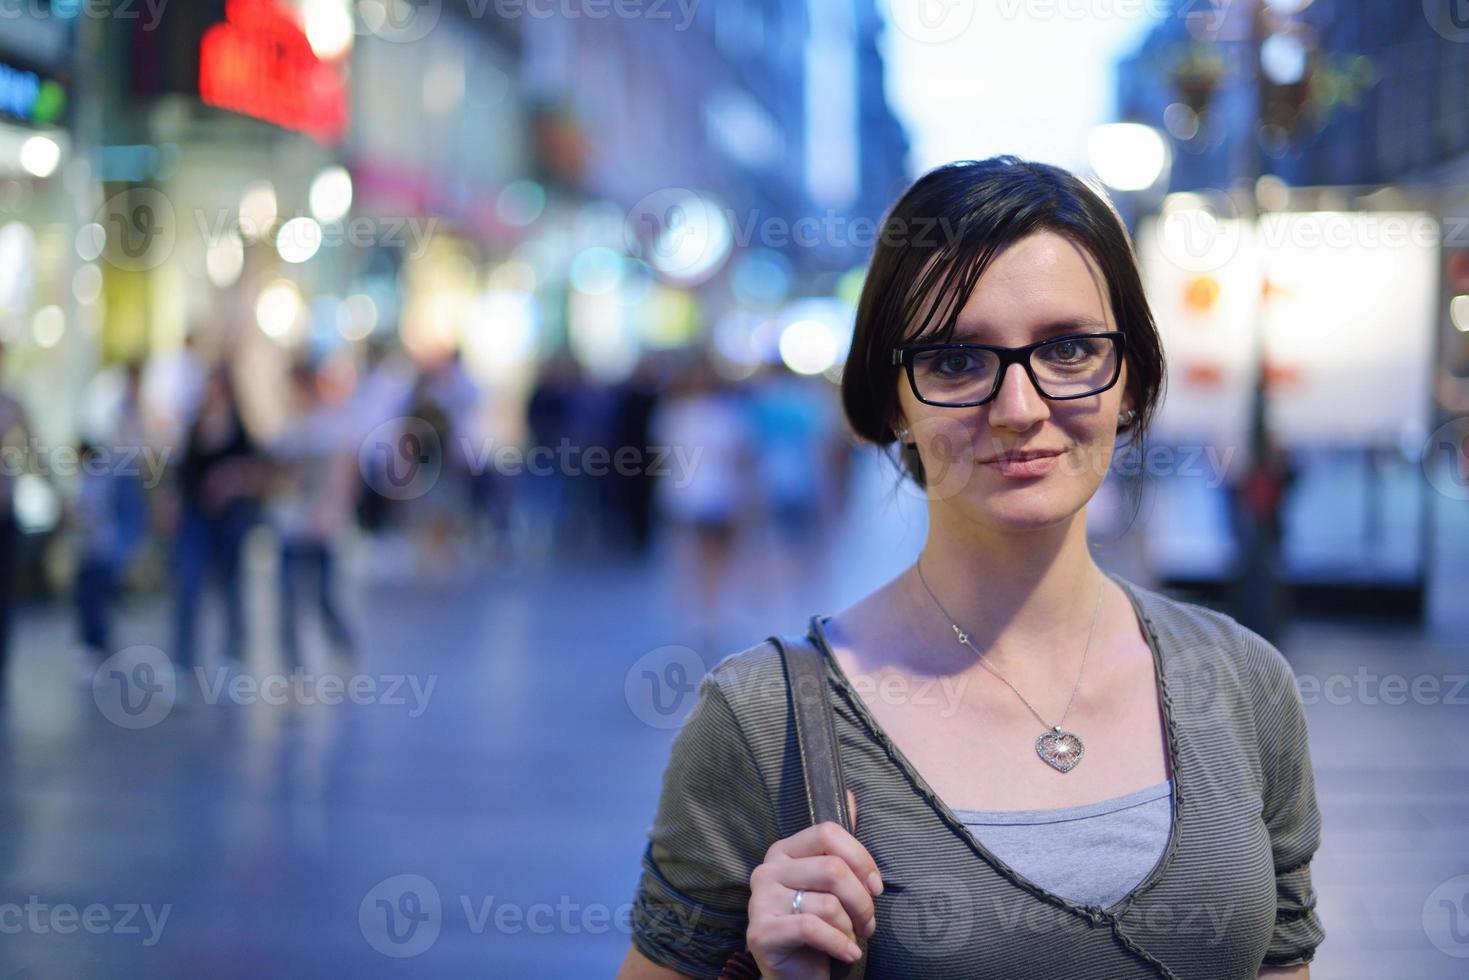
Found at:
(1231, 892)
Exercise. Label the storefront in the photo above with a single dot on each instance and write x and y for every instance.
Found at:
(44, 294)
(224, 209)
(1348, 367)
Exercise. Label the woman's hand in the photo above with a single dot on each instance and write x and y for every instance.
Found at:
(839, 878)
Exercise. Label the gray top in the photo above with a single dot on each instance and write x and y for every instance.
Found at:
(1232, 891)
(1093, 853)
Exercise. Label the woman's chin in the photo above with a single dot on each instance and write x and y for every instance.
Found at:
(1019, 511)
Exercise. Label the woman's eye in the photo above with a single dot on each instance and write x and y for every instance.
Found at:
(1070, 351)
(954, 363)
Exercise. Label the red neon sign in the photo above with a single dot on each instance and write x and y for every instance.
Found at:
(258, 63)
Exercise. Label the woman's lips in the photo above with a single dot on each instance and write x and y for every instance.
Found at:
(1023, 468)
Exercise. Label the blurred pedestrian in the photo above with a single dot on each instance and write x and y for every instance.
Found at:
(630, 488)
(1258, 499)
(220, 479)
(703, 425)
(434, 517)
(15, 450)
(108, 519)
(794, 423)
(314, 478)
(449, 387)
(173, 386)
(377, 408)
(550, 416)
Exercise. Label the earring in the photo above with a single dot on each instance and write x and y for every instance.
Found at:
(1126, 417)
(902, 433)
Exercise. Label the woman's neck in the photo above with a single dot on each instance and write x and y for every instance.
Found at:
(1022, 598)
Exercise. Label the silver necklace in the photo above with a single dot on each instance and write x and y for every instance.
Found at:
(1059, 748)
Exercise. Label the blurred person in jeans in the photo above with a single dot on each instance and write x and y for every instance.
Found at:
(315, 478)
(630, 489)
(451, 401)
(379, 398)
(551, 415)
(705, 428)
(794, 421)
(15, 433)
(219, 485)
(109, 519)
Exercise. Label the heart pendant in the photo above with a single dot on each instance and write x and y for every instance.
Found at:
(1061, 750)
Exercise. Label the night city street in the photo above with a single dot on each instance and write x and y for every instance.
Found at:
(416, 415)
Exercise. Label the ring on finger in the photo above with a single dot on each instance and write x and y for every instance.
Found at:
(796, 901)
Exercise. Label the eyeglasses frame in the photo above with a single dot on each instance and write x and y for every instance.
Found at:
(1008, 356)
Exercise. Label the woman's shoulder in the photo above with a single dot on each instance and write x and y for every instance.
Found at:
(754, 661)
(1207, 641)
(752, 682)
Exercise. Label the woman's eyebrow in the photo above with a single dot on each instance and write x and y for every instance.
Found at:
(973, 332)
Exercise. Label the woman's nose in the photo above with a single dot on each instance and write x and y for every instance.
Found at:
(1018, 405)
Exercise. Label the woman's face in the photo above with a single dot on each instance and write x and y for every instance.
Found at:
(1041, 286)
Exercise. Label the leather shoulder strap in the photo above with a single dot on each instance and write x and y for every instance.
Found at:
(816, 741)
(805, 669)
(816, 737)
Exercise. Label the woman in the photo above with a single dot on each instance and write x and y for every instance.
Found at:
(1103, 782)
(314, 470)
(704, 420)
(219, 486)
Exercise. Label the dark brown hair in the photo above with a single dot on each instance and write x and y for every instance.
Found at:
(938, 239)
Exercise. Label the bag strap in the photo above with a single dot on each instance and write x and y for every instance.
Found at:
(816, 744)
(816, 741)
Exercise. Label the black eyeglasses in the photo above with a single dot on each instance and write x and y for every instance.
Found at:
(964, 375)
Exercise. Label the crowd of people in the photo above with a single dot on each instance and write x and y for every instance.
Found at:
(402, 465)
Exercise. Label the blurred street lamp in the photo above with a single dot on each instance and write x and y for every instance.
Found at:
(298, 240)
(808, 346)
(331, 194)
(224, 259)
(258, 209)
(329, 28)
(1459, 313)
(48, 325)
(1128, 156)
(40, 156)
(278, 309)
